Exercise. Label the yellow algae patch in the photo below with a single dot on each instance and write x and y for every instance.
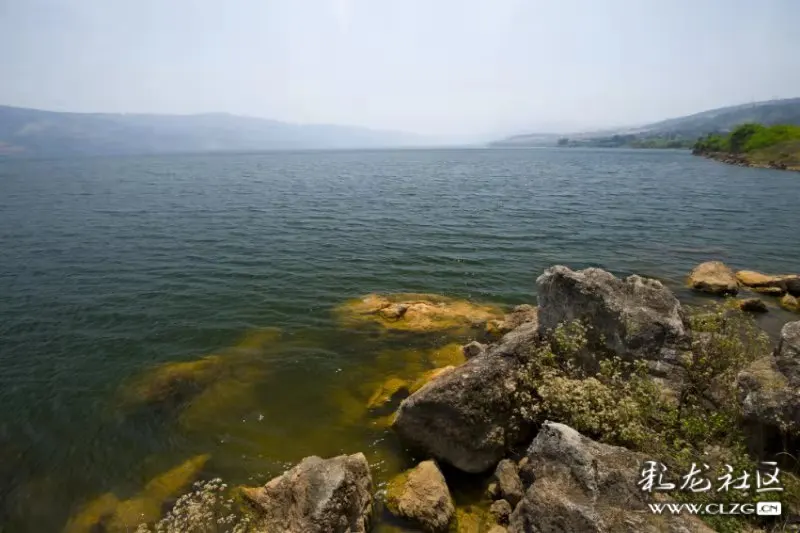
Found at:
(384, 394)
(470, 519)
(352, 410)
(415, 312)
(429, 376)
(449, 355)
(259, 339)
(219, 401)
(92, 514)
(147, 506)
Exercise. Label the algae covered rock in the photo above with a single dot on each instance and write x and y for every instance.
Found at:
(316, 496)
(421, 496)
(790, 303)
(91, 515)
(415, 312)
(714, 277)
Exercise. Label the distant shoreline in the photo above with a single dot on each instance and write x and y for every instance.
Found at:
(741, 160)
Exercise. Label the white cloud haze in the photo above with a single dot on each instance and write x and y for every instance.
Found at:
(427, 66)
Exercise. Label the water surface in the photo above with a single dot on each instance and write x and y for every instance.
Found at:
(111, 266)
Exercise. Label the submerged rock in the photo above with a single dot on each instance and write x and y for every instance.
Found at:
(149, 504)
(415, 312)
(470, 519)
(714, 277)
(429, 376)
(91, 515)
(583, 485)
(173, 383)
(769, 391)
(110, 515)
(422, 497)
(752, 305)
(635, 318)
(316, 496)
(386, 393)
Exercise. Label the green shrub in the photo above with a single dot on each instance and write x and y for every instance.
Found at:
(621, 405)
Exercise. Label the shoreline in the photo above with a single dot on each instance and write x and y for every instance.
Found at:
(742, 161)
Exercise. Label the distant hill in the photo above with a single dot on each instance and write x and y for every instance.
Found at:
(674, 132)
(31, 132)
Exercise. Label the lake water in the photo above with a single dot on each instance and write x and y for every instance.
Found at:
(111, 266)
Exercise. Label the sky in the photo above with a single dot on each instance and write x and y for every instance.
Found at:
(440, 67)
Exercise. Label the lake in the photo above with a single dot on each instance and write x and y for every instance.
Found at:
(113, 266)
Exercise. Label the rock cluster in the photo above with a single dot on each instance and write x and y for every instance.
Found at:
(464, 416)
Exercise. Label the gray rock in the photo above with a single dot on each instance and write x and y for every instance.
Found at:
(635, 318)
(500, 511)
(769, 393)
(464, 417)
(583, 485)
(507, 482)
(422, 497)
(473, 349)
(316, 496)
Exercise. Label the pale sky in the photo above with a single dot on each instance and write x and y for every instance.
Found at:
(425, 66)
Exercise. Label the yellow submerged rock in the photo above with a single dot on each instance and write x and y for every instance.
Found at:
(429, 376)
(147, 506)
(92, 514)
(178, 381)
(415, 312)
(107, 513)
(389, 389)
(449, 355)
(470, 519)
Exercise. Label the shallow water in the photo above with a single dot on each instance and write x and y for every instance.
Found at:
(111, 266)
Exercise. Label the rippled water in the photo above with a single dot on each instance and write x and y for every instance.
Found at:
(111, 266)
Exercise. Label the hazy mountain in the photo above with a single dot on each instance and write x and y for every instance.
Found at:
(688, 128)
(31, 132)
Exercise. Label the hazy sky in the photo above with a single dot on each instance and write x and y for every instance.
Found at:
(428, 66)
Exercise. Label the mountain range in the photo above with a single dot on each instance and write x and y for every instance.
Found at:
(36, 133)
(682, 130)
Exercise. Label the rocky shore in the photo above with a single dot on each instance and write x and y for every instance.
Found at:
(741, 160)
(559, 416)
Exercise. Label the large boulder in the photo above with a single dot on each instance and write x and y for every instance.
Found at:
(635, 318)
(316, 496)
(769, 392)
(583, 485)
(465, 417)
(421, 496)
(714, 277)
